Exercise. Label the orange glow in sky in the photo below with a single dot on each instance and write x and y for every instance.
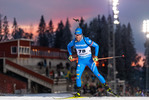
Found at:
(141, 62)
(32, 28)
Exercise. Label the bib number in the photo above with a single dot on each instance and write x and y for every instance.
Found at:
(84, 52)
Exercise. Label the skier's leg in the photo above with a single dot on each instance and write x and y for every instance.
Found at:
(79, 71)
(94, 69)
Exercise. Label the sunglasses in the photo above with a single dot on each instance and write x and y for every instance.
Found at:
(77, 34)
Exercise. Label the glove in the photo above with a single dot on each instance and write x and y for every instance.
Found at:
(95, 58)
(70, 57)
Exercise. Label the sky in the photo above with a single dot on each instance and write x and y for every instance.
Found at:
(28, 12)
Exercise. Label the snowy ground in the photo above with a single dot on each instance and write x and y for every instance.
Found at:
(56, 96)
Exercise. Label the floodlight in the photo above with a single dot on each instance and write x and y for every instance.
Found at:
(146, 26)
(147, 35)
(116, 22)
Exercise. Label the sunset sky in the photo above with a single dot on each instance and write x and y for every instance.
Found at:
(28, 12)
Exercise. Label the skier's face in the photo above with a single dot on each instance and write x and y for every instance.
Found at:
(78, 37)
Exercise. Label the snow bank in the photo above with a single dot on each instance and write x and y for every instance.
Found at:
(56, 96)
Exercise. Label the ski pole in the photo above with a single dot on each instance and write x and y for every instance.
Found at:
(75, 59)
(110, 57)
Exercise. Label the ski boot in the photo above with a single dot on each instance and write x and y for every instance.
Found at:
(107, 87)
(78, 94)
(109, 90)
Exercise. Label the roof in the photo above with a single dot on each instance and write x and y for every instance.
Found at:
(16, 40)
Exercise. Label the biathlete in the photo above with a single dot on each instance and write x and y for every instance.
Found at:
(83, 47)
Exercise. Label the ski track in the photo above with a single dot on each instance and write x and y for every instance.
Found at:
(56, 96)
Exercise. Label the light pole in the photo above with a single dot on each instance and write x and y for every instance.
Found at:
(115, 10)
(146, 31)
(111, 43)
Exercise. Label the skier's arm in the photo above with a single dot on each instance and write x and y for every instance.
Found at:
(71, 44)
(96, 46)
(93, 44)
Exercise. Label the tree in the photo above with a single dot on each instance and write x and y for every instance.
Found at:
(129, 50)
(15, 28)
(67, 36)
(84, 27)
(120, 65)
(28, 36)
(59, 35)
(43, 40)
(19, 34)
(51, 27)
(42, 26)
(42, 37)
(5, 28)
(81, 24)
(94, 28)
(103, 37)
(51, 35)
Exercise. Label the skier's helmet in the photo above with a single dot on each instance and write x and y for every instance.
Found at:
(78, 31)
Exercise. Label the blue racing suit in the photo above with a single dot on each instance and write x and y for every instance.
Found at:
(85, 57)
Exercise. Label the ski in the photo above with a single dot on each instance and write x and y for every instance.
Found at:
(113, 94)
(70, 97)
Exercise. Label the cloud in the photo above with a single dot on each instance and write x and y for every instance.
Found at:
(29, 12)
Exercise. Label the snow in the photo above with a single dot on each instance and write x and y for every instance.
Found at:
(56, 96)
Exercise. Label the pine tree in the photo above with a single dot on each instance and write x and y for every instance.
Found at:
(42, 26)
(51, 35)
(81, 24)
(119, 51)
(104, 37)
(94, 28)
(51, 27)
(67, 36)
(124, 48)
(28, 36)
(59, 35)
(84, 27)
(129, 50)
(19, 34)
(103, 41)
(15, 29)
(42, 37)
(5, 28)
(43, 40)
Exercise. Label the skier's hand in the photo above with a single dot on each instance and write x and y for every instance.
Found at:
(70, 57)
(95, 58)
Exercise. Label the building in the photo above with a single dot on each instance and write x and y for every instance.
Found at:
(19, 59)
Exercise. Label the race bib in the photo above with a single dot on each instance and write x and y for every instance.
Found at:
(83, 52)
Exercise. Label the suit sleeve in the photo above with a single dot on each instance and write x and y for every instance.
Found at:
(93, 44)
(71, 44)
